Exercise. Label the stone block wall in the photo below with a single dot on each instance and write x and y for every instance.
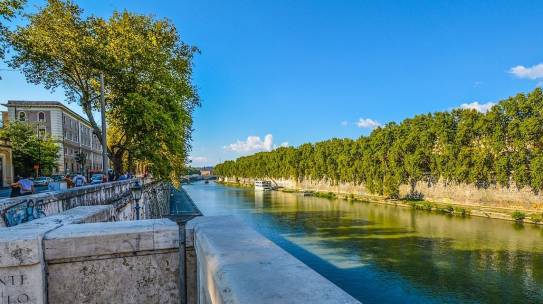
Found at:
(494, 196)
(123, 262)
(78, 257)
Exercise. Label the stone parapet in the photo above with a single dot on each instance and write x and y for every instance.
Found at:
(121, 262)
(154, 202)
(22, 264)
(235, 264)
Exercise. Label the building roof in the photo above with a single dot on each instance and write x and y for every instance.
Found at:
(45, 103)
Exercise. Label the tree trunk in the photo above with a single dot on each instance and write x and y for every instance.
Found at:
(117, 161)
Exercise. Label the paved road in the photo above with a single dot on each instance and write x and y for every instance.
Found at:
(5, 192)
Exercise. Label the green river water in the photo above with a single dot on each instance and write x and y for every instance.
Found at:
(388, 254)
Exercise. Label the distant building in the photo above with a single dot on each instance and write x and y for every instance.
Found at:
(206, 171)
(73, 132)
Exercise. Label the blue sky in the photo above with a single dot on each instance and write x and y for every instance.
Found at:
(304, 71)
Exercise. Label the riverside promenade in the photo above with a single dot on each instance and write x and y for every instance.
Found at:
(89, 248)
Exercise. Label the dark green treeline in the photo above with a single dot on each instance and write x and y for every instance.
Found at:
(503, 146)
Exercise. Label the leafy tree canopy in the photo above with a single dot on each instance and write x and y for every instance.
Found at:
(147, 69)
(501, 147)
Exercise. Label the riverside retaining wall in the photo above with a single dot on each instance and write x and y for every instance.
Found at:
(462, 194)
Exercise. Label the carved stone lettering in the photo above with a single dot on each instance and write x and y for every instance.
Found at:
(10, 296)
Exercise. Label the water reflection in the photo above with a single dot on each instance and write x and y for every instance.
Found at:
(388, 254)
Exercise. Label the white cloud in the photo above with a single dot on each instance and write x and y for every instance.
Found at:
(252, 144)
(481, 107)
(344, 123)
(367, 123)
(532, 72)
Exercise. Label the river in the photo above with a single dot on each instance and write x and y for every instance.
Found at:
(389, 254)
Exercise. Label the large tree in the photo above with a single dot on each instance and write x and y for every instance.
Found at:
(147, 71)
(151, 96)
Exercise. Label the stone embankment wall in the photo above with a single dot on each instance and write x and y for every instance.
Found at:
(232, 263)
(123, 262)
(461, 194)
(155, 201)
(82, 256)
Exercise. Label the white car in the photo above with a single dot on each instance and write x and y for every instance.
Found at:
(42, 181)
(97, 178)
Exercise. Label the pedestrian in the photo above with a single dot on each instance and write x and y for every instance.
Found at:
(27, 186)
(69, 181)
(15, 187)
(110, 175)
(79, 180)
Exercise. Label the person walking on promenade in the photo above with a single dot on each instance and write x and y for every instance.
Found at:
(110, 175)
(15, 187)
(27, 186)
(69, 181)
(79, 180)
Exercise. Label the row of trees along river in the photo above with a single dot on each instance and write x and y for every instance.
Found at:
(501, 147)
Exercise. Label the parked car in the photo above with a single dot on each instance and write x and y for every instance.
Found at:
(42, 181)
(97, 178)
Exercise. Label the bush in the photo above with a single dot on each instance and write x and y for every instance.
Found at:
(518, 216)
(537, 218)
(329, 195)
(427, 206)
(462, 211)
(448, 209)
(414, 196)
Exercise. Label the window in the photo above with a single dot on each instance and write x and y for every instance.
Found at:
(22, 116)
(41, 117)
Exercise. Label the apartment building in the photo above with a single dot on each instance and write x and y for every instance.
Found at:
(72, 131)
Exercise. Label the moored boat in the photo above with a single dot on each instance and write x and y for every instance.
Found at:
(262, 185)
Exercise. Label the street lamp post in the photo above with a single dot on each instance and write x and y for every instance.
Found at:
(137, 190)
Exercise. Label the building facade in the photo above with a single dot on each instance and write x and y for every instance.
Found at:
(73, 132)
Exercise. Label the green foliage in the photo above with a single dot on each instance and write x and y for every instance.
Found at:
(426, 206)
(329, 195)
(518, 216)
(448, 210)
(501, 147)
(28, 150)
(8, 10)
(147, 70)
(462, 211)
(536, 218)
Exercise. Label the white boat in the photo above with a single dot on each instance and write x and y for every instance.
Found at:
(261, 185)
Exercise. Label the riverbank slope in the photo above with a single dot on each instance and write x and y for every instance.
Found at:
(492, 202)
